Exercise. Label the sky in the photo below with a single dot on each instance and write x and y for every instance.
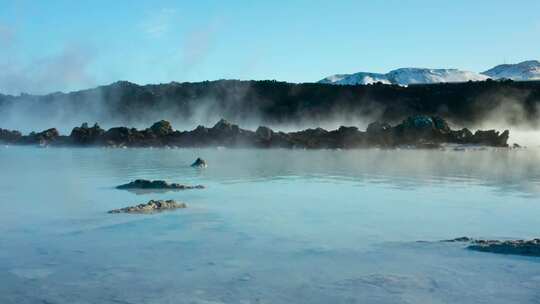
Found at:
(55, 45)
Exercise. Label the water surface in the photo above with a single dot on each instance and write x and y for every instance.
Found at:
(273, 226)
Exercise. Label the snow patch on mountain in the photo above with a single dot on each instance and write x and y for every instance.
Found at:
(405, 76)
(357, 78)
(526, 70)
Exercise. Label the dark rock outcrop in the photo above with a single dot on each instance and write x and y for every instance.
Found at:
(9, 136)
(156, 185)
(514, 247)
(44, 138)
(162, 128)
(84, 135)
(199, 163)
(415, 131)
(151, 207)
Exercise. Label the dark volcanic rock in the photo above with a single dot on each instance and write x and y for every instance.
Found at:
(162, 128)
(491, 138)
(122, 136)
(459, 239)
(517, 247)
(199, 163)
(151, 207)
(84, 135)
(264, 136)
(416, 131)
(43, 138)
(9, 136)
(156, 184)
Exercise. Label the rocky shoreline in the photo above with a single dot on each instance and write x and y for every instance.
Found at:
(415, 131)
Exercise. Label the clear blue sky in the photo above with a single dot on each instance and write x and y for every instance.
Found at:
(64, 45)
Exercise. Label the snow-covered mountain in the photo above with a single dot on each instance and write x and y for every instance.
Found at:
(527, 70)
(405, 76)
(357, 78)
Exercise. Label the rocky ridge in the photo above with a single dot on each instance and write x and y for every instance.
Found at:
(415, 131)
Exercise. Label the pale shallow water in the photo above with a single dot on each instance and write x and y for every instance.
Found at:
(273, 226)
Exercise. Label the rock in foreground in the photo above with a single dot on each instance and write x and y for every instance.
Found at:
(157, 185)
(151, 207)
(515, 247)
(199, 163)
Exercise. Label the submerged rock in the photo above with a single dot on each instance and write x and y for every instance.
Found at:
(151, 206)
(156, 184)
(459, 239)
(199, 163)
(515, 247)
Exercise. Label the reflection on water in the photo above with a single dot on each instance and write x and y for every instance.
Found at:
(272, 226)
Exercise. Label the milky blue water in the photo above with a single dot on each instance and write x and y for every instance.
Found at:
(272, 226)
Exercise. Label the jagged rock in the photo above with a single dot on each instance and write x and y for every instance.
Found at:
(9, 136)
(156, 184)
(491, 138)
(417, 131)
(376, 128)
(264, 133)
(419, 122)
(84, 135)
(441, 124)
(122, 136)
(43, 138)
(223, 128)
(199, 163)
(421, 129)
(162, 128)
(517, 247)
(151, 207)
(459, 239)
(380, 133)
(460, 136)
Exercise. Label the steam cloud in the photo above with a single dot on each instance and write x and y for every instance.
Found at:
(68, 69)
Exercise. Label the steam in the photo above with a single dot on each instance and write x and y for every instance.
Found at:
(68, 69)
(197, 46)
(509, 111)
(243, 104)
(7, 36)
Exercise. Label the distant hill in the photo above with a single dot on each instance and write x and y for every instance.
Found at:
(527, 70)
(275, 104)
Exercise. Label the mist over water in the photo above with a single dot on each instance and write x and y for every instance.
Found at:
(318, 226)
(281, 106)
